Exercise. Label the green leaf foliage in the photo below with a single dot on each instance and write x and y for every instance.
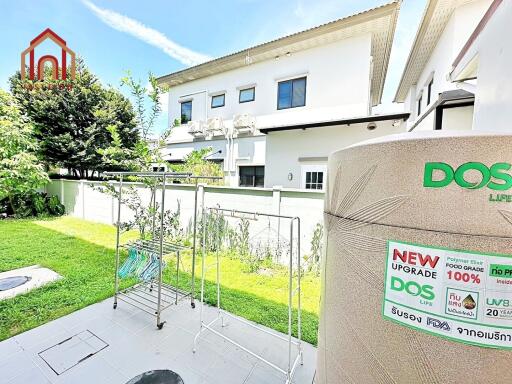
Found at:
(20, 170)
(196, 163)
(82, 126)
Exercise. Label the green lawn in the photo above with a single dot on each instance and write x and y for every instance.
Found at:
(83, 253)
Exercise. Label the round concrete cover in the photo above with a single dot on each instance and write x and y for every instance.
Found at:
(159, 376)
(12, 282)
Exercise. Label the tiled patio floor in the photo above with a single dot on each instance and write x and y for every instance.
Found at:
(136, 346)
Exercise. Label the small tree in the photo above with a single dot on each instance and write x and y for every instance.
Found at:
(143, 214)
(196, 164)
(146, 100)
(142, 96)
(20, 170)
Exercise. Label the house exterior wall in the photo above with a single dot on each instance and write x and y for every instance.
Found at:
(293, 151)
(337, 86)
(458, 119)
(338, 81)
(454, 119)
(426, 124)
(247, 151)
(493, 99)
(455, 34)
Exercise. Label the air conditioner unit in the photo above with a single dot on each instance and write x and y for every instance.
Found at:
(196, 128)
(214, 126)
(244, 123)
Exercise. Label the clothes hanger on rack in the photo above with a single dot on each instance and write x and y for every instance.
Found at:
(142, 262)
(151, 268)
(129, 264)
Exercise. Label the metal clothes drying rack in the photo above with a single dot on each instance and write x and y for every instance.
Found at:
(293, 359)
(154, 296)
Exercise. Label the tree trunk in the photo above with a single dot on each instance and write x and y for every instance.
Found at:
(11, 203)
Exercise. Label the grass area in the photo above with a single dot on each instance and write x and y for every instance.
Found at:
(83, 253)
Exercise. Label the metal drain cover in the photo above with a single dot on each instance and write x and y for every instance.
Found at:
(72, 351)
(13, 282)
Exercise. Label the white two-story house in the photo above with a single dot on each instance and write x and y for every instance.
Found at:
(428, 93)
(272, 113)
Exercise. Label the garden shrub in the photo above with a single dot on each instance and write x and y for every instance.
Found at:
(33, 204)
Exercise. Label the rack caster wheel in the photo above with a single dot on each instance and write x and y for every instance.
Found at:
(114, 306)
(193, 305)
(160, 325)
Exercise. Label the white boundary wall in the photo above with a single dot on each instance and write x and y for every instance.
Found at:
(83, 201)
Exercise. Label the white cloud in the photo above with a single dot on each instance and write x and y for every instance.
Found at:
(149, 35)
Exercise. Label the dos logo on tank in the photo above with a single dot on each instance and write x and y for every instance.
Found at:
(495, 177)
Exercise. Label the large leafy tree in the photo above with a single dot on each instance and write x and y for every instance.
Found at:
(79, 123)
(20, 170)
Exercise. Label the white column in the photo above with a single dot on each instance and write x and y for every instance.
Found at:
(276, 207)
(62, 199)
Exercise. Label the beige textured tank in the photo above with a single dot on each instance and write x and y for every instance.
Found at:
(415, 286)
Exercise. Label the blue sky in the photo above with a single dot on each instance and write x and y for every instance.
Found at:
(162, 36)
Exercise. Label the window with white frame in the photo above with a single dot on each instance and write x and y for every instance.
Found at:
(313, 177)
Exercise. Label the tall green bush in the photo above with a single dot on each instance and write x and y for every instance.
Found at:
(21, 172)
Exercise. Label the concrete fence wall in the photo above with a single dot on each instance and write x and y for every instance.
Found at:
(82, 199)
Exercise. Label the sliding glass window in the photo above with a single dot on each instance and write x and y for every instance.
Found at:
(291, 93)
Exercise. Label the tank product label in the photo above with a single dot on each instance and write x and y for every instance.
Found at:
(460, 295)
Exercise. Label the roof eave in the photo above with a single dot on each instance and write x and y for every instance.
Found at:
(354, 120)
(381, 11)
(387, 51)
(465, 65)
(401, 92)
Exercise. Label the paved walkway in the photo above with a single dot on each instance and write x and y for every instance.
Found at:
(128, 344)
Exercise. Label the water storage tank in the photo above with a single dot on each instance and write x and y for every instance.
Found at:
(417, 279)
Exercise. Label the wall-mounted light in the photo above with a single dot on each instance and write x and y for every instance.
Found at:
(277, 57)
(371, 126)
(290, 176)
(288, 54)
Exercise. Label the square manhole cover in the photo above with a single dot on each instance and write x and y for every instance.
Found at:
(72, 351)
